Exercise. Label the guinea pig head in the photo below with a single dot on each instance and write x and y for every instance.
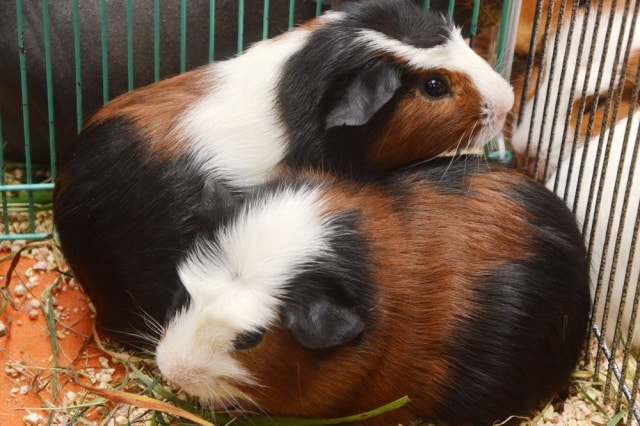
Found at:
(385, 84)
(256, 299)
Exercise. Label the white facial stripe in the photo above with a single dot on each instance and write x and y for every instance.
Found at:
(454, 55)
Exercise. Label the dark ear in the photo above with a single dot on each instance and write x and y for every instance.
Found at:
(216, 201)
(369, 91)
(322, 323)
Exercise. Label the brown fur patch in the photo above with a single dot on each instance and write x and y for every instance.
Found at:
(155, 109)
(426, 260)
(424, 128)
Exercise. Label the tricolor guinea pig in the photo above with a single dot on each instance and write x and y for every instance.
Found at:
(578, 133)
(362, 89)
(464, 288)
(356, 89)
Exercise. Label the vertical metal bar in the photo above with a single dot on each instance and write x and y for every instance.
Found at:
(240, 46)
(78, 64)
(318, 7)
(593, 192)
(292, 13)
(549, 99)
(104, 31)
(130, 69)
(426, 5)
(265, 20)
(538, 83)
(25, 109)
(156, 40)
(212, 29)
(183, 35)
(473, 28)
(507, 36)
(104, 34)
(49, 81)
(3, 195)
(574, 83)
(530, 64)
(452, 7)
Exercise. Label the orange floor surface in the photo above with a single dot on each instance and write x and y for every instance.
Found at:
(37, 382)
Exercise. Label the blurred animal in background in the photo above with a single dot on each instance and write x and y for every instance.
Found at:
(577, 131)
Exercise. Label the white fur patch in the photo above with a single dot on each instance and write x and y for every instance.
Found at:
(236, 286)
(236, 126)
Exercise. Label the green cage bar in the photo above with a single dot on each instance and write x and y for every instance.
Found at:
(5, 205)
(105, 51)
(78, 64)
(49, 81)
(240, 47)
(265, 19)
(130, 68)
(183, 35)
(212, 29)
(156, 40)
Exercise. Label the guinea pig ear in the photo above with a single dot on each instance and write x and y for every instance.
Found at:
(369, 91)
(322, 323)
(216, 200)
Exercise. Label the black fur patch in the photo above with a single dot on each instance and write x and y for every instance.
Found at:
(125, 219)
(315, 79)
(531, 317)
(341, 281)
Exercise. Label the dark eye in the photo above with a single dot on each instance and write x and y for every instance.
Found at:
(248, 340)
(436, 87)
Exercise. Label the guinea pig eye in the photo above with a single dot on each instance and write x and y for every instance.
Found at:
(248, 340)
(435, 87)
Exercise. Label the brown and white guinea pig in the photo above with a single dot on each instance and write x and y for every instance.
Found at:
(605, 199)
(462, 287)
(362, 89)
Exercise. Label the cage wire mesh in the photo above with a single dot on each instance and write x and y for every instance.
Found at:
(577, 131)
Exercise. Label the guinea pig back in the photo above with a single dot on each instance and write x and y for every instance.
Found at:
(464, 288)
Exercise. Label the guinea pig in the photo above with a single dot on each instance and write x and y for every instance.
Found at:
(362, 89)
(462, 285)
(356, 89)
(567, 150)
